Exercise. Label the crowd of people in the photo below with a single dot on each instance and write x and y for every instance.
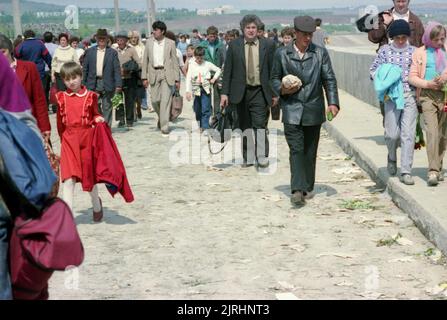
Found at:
(247, 72)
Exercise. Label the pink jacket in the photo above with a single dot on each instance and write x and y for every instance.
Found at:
(418, 67)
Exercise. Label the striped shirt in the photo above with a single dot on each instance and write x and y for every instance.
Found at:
(401, 57)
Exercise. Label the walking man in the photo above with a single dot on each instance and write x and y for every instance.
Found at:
(214, 53)
(161, 72)
(102, 73)
(130, 65)
(304, 110)
(246, 87)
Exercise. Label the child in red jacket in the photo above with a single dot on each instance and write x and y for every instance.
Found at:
(76, 116)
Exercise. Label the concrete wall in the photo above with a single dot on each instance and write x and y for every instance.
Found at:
(352, 71)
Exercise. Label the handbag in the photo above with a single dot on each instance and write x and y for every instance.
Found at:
(55, 161)
(368, 22)
(176, 106)
(222, 126)
(40, 246)
(276, 112)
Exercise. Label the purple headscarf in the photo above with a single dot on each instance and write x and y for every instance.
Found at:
(13, 97)
(440, 54)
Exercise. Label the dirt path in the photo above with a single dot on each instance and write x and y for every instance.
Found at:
(223, 232)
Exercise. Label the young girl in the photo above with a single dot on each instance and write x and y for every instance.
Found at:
(400, 112)
(199, 83)
(77, 113)
(429, 75)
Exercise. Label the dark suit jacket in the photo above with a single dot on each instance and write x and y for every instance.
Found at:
(305, 107)
(111, 70)
(30, 79)
(235, 77)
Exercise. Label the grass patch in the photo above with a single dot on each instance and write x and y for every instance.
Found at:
(357, 205)
(389, 241)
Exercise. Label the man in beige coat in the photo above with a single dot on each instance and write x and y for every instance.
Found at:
(160, 71)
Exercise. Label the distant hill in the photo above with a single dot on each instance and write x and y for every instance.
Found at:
(29, 6)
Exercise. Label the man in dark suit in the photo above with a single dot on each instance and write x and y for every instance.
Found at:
(102, 73)
(246, 87)
(304, 109)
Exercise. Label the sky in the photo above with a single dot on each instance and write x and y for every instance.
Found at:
(238, 4)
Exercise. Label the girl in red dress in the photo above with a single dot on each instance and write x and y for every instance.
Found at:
(76, 116)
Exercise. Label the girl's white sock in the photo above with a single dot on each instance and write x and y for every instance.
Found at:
(95, 199)
(68, 192)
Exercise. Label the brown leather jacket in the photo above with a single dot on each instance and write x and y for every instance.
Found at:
(380, 35)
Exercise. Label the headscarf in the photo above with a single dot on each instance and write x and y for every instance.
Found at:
(440, 54)
(13, 97)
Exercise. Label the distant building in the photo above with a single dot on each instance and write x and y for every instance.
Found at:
(218, 11)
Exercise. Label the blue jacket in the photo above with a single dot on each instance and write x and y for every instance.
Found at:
(388, 81)
(35, 51)
(25, 159)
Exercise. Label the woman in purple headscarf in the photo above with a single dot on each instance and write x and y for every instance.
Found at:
(429, 74)
(13, 97)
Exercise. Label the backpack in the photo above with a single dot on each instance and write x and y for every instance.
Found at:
(43, 239)
(368, 21)
(40, 246)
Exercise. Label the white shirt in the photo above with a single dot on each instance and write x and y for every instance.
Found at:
(100, 55)
(159, 53)
(301, 54)
(398, 16)
(200, 75)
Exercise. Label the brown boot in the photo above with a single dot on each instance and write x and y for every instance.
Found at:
(97, 216)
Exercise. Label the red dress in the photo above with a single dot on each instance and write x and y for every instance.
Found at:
(75, 118)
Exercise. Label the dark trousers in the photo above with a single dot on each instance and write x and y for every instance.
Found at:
(130, 92)
(46, 83)
(105, 101)
(303, 144)
(5, 225)
(252, 116)
(60, 84)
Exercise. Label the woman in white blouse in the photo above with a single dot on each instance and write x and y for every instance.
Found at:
(63, 54)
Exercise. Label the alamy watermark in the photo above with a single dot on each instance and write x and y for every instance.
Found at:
(72, 17)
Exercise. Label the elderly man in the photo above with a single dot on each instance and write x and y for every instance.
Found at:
(304, 107)
(130, 64)
(246, 86)
(400, 10)
(141, 96)
(161, 72)
(102, 73)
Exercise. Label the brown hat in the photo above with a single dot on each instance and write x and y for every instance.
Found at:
(305, 24)
(101, 33)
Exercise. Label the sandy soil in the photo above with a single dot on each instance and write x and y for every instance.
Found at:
(217, 231)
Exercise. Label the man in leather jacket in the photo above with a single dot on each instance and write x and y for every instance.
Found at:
(304, 111)
(399, 11)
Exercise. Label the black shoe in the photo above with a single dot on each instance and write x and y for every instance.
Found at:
(298, 199)
(263, 163)
(247, 165)
(121, 124)
(130, 125)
